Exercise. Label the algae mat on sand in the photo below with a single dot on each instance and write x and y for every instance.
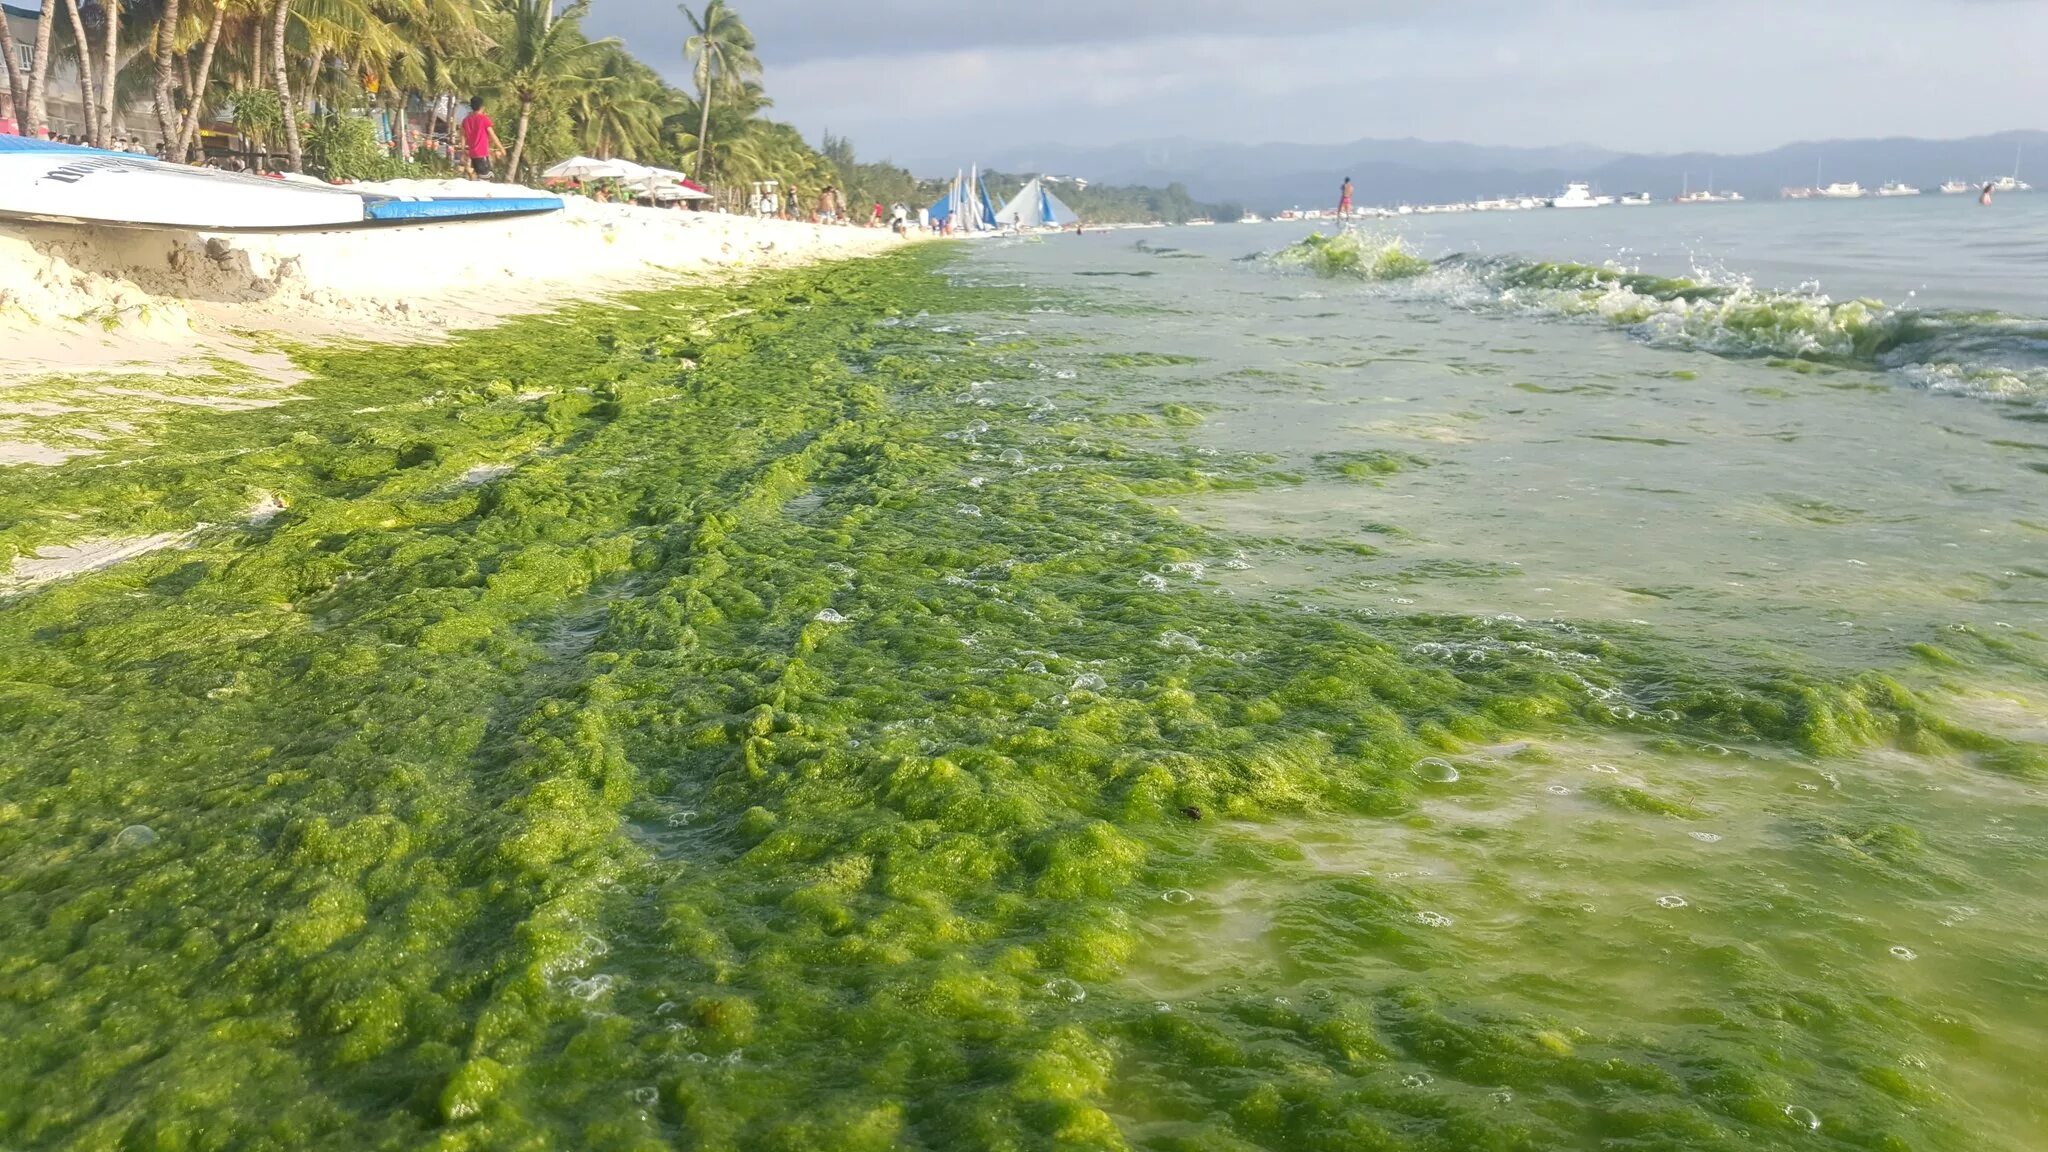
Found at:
(823, 738)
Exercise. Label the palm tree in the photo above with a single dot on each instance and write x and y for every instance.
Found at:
(39, 76)
(17, 92)
(85, 84)
(722, 50)
(110, 75)
(166, 57)
(541, 49)
(195, 99)
(281, 76)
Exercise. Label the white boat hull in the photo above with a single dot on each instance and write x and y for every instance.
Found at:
(62, 184)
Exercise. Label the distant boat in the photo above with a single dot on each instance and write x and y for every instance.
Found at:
(1897, 189)
(1579, 196)
(1839, 191)
(2013, 183)
(1251, 218)
(1201, 222)
(1957, 188)
(1637, 200)
(1799, 193)
(1036, 208)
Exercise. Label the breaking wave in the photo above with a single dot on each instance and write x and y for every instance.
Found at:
(1985, 354)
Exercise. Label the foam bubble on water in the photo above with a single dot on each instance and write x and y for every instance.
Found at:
(644, 1096)
(1177, 896)
(1706, 837)
(1066, 374)
(1417, 1080)
(976, 481)
(1671, 902)
(1061, 988)
(1036, 667)
(1804, 1117)
(829, 616)
(679, 819)
(1588, 908)
(1161, 1006)
(1010, 456)
(1185, 568)
(734, 1056)
(1559, 790)
(1436, 770)
(1403, 600)
(1154, 582)
(1902, 952)
(699, 1058)
(979, 427)
(133, 838)
(590, 989)
(665, 1007)
(969, 510)
(1179, 642)
(1503, 1096)
(1433, 919)
(1238, 562)
(1605, 769)
(1809, 787)
(1088, 682)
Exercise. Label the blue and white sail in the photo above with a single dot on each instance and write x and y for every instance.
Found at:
(966, 206)
(1036, 207)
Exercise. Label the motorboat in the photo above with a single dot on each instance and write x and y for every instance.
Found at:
(1579, 196)
(1958, 188)
(1840, 191)
(1638, 200)
(1897, 189)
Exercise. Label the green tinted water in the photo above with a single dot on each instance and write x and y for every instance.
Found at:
(828, 735)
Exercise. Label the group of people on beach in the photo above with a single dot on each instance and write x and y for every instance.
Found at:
(11, 127)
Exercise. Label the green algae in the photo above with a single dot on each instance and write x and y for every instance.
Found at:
(775, 758)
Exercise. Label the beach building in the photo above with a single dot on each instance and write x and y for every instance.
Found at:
(65, 102)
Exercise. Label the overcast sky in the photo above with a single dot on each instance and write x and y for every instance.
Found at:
(957, 78)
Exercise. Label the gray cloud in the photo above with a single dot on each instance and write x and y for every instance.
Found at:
(915, 79)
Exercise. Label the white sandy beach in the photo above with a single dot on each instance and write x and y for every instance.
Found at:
(118, 301)
(100, 326)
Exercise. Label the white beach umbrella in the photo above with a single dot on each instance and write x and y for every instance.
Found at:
(585, 168)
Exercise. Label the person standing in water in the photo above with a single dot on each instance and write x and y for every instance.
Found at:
(1344, 200)
(1985, 199)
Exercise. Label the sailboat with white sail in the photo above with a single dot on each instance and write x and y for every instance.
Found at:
(965, 209)
(1036, 208)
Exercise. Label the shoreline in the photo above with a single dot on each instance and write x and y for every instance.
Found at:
(97, 319)
(111, 299)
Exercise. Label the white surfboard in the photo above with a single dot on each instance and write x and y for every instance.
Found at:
(44, 181)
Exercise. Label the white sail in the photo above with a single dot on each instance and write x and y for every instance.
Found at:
(1036, 207)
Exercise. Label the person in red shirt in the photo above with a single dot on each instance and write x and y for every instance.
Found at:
(481, 137)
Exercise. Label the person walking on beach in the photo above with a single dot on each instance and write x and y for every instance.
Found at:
(1344, 200)
(481, 138)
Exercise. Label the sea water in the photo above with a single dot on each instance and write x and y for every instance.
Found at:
(1775, 434)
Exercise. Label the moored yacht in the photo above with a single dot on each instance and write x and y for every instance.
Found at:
(1637, 200)
(1957, 188)
(1838, 191)
(1897, 189)
(1579, 196)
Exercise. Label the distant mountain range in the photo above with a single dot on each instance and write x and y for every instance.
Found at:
(1268, 177)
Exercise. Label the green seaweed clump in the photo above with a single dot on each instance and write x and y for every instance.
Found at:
(692, 725)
